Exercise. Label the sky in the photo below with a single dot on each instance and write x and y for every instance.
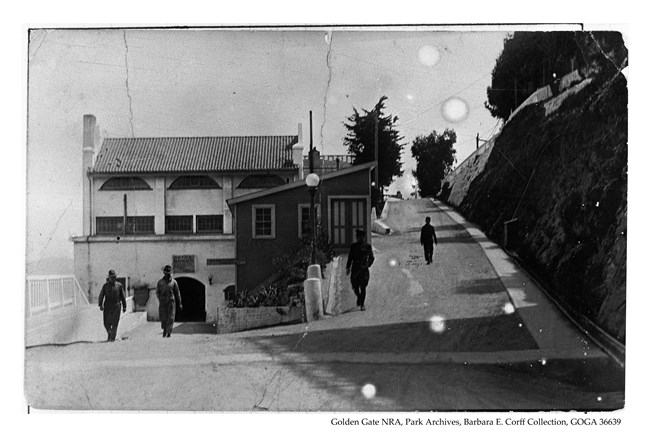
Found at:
(250, 81)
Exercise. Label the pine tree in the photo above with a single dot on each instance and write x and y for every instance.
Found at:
(360, 141)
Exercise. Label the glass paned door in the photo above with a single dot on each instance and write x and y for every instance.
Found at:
(347, 215)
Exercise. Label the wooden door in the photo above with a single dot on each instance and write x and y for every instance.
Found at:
(347, 215)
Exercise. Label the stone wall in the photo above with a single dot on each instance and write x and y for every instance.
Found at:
(240, 319)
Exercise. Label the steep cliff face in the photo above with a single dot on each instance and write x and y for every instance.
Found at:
(560, 169)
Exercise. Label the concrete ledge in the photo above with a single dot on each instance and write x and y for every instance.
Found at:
(79, 325)
(378, 226)
(330, 284)
(131, 320)
(241, 319)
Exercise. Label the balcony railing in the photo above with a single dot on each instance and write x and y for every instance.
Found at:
(49, 292)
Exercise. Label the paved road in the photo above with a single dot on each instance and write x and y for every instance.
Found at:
(465, 333)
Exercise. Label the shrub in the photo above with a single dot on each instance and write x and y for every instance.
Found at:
(271, 296)
(292, 268)
(285, 287)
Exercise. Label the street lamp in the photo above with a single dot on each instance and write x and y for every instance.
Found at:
(312, 182)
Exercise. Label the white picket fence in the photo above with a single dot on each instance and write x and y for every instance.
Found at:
(49, 292)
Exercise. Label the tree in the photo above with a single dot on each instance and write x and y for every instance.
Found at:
(360, 141)
(529, 60)
(434, 155)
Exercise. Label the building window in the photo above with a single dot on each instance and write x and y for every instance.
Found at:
(194, 182)
(124, 184)
(209, 223)
(115, 225)
(261, 181)
(304, 226)
(264, 221)
(179, 224)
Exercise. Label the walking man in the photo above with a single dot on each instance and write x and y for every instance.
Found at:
(110, 298)
(427, 238)
(168, 296)
(360, 259)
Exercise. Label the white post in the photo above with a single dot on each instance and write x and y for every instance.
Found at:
(159, 212)
(313, 293)
(29, 297)
(313, 299)
(313, 271)
(47, 286)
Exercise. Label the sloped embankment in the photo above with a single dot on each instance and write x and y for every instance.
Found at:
(564, 177)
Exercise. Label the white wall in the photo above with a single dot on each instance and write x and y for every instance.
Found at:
(160, 201)
(111, 203)
(194, 201)
(142, 260)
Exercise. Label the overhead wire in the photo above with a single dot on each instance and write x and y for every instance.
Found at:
(410, 74)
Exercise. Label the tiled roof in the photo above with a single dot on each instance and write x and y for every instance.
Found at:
(195, 154)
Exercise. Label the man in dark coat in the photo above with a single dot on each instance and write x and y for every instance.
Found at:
(360, 259)
(110, 298)
(168, 296)
(427, 238)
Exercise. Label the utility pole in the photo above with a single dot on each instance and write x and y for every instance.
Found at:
(479, 139)
(124, 219)
(311, 146)
(376, 148)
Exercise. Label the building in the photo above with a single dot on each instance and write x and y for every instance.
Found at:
(270, 223)
(148, 202)
(322, 164)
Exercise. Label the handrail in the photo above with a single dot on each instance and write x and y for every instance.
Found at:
(48, 292)
(49, 277)
(85, 298)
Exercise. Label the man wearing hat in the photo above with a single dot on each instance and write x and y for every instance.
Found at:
(360, 259)
(110, 298)
(168, 296)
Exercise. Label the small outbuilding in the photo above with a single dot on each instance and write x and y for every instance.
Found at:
(271, 223)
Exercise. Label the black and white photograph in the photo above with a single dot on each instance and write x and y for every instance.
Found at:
(423, 220)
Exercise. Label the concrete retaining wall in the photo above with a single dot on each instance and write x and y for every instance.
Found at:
(240, 319)
(461, 178)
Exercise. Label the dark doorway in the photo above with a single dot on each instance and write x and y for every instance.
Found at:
(193, 298)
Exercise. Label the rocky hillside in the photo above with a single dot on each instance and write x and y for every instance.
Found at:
(561, 171)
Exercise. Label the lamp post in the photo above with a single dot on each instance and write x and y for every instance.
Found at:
(312, 182)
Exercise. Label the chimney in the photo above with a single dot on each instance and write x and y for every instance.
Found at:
(297, 153)
(89, 135)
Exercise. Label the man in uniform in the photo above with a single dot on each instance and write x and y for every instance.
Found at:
(427, 238)
(110, 298)
(360, 259)
(168, 296)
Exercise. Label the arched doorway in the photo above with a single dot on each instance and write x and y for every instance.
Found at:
(193, 298)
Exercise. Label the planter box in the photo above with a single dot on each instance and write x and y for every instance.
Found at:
(140, 298)
(152, 306)
(240, 319)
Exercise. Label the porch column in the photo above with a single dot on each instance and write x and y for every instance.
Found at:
(227, 194)
(159, 216)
